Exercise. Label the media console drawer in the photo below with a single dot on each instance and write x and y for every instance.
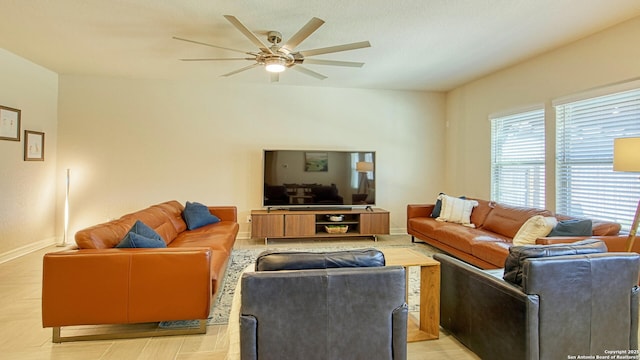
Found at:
(312, 223)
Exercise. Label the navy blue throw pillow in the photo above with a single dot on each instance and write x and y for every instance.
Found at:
(197, 215)
(573, 228)
(141, 236)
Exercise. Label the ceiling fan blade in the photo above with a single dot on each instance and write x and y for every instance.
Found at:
(332, 62)
(248, 33)
(302, 34)
(306, 71)
(333, 49)
(241, 69)
(216, 59)
(275, 77)
(214, 46)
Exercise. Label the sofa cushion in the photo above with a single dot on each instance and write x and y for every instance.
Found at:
(197, 215)
(425, 225)
(480, 212)
(518, 254)
(537, 226)
(456, 210)
(574, 227)
(220, 235)
(507, 220)
(141, 236)
(174, 210)
(278, 260)
(492, 251)
(461, 237)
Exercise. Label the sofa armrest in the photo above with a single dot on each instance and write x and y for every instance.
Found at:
(615, 243)
(119, 286)
(419, 210)
(225, 213)
(482, 310)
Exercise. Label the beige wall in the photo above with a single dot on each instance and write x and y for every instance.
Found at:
(27, 188)
(133, 143)
(605, 58)
(130, 143)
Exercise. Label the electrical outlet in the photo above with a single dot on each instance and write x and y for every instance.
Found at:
(248, 218)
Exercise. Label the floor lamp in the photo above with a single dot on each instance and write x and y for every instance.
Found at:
(626, 157)
(363, 167)
(66, 212)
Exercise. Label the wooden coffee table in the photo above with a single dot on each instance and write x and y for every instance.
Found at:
(428, 325)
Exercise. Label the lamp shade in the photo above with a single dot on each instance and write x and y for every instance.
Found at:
(364, 166)
(626, 154)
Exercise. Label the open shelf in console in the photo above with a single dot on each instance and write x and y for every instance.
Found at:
(350, 220)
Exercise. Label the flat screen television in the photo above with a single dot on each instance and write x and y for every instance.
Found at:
(298, 179)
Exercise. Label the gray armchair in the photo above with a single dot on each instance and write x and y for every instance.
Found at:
(323, 313)
(566, 305)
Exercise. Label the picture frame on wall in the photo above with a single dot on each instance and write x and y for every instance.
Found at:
(316, 161)
(9, 123)
(33, 145)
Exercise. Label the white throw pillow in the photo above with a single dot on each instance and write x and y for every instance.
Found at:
(537, 226)
(456, 210)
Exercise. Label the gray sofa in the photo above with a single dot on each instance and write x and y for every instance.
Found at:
(323, 306)
(557, 306)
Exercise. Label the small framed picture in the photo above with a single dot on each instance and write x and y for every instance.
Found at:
(9, 123)
(33, 146)
(316, 161)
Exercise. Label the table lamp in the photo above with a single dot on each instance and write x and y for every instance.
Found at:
(626, 157)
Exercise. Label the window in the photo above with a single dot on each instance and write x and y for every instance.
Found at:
(586, 185)
(517, 159)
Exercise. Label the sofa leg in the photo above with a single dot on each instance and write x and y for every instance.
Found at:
(201, 329)
(413, 239)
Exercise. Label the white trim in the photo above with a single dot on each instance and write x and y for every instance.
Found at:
(621, 86)
(27, 249)
(398, 231)
(244, 235)
(518, 110)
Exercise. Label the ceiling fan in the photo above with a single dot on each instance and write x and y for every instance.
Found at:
(276, 58)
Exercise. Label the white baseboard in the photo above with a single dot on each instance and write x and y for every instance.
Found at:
(398, 231)
(24, 250)
(244, 235)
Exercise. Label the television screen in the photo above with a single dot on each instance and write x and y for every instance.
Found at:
(298, 178)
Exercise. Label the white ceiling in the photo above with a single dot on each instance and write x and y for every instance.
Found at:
(416, 44)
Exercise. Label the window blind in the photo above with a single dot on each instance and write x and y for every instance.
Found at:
(586, 185)
(517, 159)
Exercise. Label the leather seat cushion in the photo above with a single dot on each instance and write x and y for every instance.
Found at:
(425, 225)
(462, 237)
(214, 236)
(493, 251)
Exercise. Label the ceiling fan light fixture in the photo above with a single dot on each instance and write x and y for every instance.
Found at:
(275, 65)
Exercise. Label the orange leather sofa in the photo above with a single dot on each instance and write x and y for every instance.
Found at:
(99, 284)
(487, 245)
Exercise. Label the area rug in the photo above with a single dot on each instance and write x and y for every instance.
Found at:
(241, 258)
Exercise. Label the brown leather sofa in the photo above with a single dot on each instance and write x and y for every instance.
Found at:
(487, 245)
(100, 284)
